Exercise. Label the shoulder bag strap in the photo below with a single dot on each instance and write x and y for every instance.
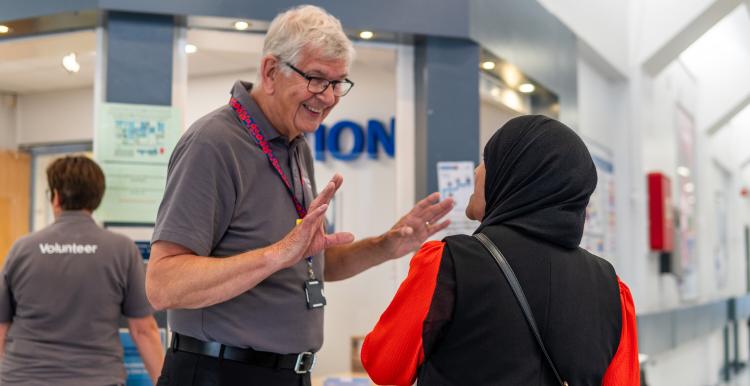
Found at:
(518, 291)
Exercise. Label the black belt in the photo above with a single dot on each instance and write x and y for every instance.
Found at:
(301, 363)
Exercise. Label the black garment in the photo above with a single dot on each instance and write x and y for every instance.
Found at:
(187, 369)
(539, 178)
(573, 294)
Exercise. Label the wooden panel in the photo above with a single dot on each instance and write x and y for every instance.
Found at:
(15, 180)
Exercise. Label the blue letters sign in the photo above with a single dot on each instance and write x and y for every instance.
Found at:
(375, 136)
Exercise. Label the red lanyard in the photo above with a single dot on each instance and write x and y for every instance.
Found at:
(252, 128)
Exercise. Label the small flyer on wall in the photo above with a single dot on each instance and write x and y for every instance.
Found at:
(599, 233)
(456, 181)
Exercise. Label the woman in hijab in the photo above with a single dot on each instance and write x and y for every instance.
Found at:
(455, 319)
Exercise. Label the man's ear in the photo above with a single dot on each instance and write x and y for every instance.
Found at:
(55, 198)
(269, 73)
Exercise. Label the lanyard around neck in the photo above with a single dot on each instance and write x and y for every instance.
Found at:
(260, 140)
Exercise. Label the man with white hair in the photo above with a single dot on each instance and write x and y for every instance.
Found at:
(239, 253)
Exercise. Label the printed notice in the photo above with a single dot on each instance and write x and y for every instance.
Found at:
(133, 144)
(456, 181)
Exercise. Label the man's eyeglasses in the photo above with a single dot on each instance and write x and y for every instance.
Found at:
(318, 85)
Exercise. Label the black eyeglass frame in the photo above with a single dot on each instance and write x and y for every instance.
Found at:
(328, 83)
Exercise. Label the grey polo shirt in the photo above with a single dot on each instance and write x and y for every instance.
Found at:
(63, 289)
(223, 198)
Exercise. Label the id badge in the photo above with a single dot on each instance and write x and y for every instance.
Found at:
(314, 294)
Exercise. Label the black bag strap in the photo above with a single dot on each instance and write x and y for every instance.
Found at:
(520, 296)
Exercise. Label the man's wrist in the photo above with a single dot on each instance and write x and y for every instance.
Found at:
(274, 257)
(385, 245)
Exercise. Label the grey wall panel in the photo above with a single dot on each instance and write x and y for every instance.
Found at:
(443, 18)
(742, 307)
(139, 58)
(663, 331)
(525, 34)
(24, 9)
(427, 17)
(447, 106)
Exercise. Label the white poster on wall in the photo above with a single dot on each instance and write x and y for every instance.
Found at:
(686, 230)
(456, 181)
(601, 215)
(133, 144)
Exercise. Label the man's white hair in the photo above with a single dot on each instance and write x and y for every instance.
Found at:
(307, 26)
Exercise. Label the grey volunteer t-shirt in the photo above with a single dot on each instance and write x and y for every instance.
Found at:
(223, 198)
(63, 289)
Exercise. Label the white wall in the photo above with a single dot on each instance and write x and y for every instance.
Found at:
(653, 23)
(367, 207)
(207, 93)
(724, 152)
(602, 104)
(696, 363)
(602, 24)
(58, 116)
(492, 116)
(636, 118)
(673, 88)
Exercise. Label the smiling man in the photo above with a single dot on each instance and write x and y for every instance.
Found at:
(239, 255)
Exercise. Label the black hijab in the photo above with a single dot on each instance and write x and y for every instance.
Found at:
(539, 176)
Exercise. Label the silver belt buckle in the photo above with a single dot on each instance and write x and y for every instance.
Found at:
(305, 362)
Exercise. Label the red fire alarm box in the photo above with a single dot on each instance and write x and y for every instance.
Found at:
(660, 212)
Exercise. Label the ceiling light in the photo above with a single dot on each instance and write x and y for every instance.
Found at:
(495, 92)
(367, 35)
(241, 25)
(190, 48)
(512, 99)
(70, 63)
(683, 171)
(511, 75)
(526, 88)
(4, 29)
(488, 65)
(689, 187)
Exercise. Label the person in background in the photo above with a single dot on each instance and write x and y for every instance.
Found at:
(64, 289)
(239, 256)
(455, 319)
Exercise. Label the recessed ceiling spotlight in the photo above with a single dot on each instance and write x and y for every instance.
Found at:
(4, 29)
(488, 65)
(191, 48)
(367, 35)
(70, 63)
(526, 88)
(241, 25)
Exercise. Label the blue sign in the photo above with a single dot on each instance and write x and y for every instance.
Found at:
(134, 367)
(136, 371)
(371, 139)
(144, 246)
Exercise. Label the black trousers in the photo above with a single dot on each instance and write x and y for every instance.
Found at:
(188, 369)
